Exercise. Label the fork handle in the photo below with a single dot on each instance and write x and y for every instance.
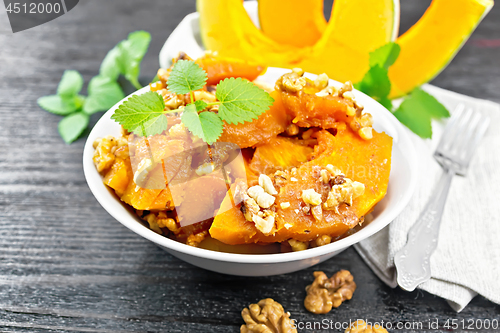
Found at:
(413, 260)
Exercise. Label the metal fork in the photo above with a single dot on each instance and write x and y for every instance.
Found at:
(454, 152)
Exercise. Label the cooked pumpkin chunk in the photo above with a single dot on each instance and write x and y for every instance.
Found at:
(219, 68)
(269, 124)
(279, 153)
(367, 162)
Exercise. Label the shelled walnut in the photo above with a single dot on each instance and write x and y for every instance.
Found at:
(267, 316)
(325, 293)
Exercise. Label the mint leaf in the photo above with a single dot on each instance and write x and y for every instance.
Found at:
(70, 85)
(72, 126)
(417, 110)
(386, 102)
(59, 105)
(103, 94)
(109, 66)
(142, 114)
(200, 105)
(385, 56)
(206, 125)
(186, 76)
(428, 102)
(125, 58)
(241, 100)
(131, 52)
(375, 83)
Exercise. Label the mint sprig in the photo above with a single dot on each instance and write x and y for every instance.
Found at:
(186, 76)
(125, 58)
(205, 125)
(142, 114)
(241, 100)
(238, 101)
(103, 89)
(416, 110)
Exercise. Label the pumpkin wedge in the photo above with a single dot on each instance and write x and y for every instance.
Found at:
(218, 68)
(428, 47)
(225, 27)
(356, 28)
(269, 124)
(366, 161)
(292, 22)
(280, 153)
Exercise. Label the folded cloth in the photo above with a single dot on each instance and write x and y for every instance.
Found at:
(467, 259)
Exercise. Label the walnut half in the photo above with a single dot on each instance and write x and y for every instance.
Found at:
(325, 293)
(267, 316)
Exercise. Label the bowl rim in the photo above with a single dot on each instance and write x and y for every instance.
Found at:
(103, 194)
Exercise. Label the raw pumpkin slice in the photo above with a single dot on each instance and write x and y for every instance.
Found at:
(225, 27)
(356, 28)
(366, 161)
(292, 22)
(433, 41)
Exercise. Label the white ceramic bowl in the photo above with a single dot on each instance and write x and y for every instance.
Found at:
(401, 185)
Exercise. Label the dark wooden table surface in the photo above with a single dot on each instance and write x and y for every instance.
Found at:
(66, 265)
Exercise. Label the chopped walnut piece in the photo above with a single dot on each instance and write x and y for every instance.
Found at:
(196, 239)
(265, 225)
(280, 177)
(256, 203)
(343, 190)
(267, 316)
(292, 82)
(317, 212)
(298, 245)
(361, 327)
(325, 293)
(323, 240)
(321, 81)
(103, 156)
(366, 133)
(345, 88)
(152, 221)
(267, 184)
(285, 205)
(311, 197)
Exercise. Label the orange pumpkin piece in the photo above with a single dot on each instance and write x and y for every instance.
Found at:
(203, 196)
(138, 197)
(279, 153)
(366, 161)
(219, 68)
(310, 110)
(231, 227)
(151, 193)
(119, 176)
(269, 124)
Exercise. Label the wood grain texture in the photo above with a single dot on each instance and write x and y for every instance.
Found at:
(67, 266)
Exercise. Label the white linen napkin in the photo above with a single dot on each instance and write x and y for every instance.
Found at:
(467, 259)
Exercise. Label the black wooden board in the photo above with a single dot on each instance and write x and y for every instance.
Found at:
(68, 266)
